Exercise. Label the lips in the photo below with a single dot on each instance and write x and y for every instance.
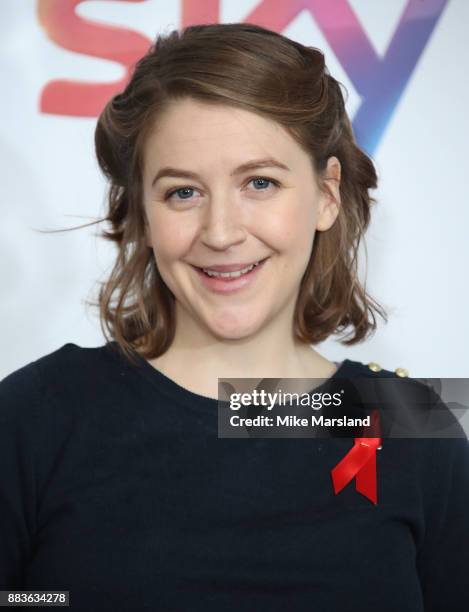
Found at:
(229, 285)
(229, 267)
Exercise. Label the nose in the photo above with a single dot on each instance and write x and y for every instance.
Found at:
(222, 224)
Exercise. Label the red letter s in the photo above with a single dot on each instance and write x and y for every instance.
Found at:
(63, 26)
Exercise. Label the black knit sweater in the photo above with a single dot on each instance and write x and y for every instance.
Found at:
(115, 486)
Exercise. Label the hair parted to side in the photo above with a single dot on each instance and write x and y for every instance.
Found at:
(256, 69)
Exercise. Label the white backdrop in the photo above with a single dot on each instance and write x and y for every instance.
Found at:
(417, 244)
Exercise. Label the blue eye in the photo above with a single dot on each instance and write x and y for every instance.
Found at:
(181, 189)
(264, 180)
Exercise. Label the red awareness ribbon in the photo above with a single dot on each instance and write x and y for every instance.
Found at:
(360, 463)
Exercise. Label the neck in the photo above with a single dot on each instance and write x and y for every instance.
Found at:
(196, 358)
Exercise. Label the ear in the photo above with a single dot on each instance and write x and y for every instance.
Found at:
(329, 203)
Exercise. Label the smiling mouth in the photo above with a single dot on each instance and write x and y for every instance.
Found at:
(230, 275)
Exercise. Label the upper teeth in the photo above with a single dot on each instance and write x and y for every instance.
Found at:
(230, 274)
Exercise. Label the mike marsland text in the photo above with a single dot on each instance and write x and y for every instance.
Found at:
(294, 421)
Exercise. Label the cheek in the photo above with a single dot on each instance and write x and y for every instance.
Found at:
(292, 230)
(171, 238)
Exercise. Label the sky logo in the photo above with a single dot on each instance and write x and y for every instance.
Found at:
(380, 81)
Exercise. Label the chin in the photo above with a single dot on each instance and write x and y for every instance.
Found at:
(236, 331)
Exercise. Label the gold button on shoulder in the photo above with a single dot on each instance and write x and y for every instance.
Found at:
(374, 367)
(401, 372)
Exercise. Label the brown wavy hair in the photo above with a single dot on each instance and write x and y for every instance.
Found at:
(262, 71)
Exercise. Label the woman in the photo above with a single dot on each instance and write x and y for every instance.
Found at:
(229, 152)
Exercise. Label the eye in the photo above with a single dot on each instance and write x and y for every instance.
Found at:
(262, 180)
(179, 191)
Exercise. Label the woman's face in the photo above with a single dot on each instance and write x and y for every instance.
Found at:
(209, 211)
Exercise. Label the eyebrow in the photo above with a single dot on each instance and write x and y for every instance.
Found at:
(253, 164)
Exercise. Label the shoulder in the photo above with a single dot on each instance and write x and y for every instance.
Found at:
(64, 360)
(64, 371)
(47, 402)
(415, 407)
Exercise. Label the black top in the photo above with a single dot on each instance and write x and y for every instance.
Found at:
(115, 486)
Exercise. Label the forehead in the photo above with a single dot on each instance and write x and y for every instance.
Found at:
(192, 130)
